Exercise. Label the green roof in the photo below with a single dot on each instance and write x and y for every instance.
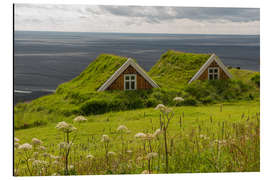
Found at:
(95, 74)
(174, 69)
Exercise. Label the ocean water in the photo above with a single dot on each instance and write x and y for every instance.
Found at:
(43, 60)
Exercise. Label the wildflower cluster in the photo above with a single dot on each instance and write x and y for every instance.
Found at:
(65, 127)
(80, 119)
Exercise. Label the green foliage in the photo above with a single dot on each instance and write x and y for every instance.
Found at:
(256, 79)
(219, 91)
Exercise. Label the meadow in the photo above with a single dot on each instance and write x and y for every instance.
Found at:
(204, 138)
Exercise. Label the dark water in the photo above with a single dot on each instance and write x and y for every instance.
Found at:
(43, 60)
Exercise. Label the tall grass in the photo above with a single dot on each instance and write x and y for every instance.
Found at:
(209, 145)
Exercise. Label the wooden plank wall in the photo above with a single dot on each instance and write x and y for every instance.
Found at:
(118, 84)
(222, 74)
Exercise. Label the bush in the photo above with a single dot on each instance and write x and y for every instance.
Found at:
(152, 102)
(208, 100)
(164, 96)
(256, 79)
(190, 101)
(219, 91)
(94, 106)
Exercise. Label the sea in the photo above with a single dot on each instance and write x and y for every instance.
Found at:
(44, 60)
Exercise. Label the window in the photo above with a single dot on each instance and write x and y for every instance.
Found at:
(130, 82)
(213, 73)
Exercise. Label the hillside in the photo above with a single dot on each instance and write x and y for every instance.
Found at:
(171, 73)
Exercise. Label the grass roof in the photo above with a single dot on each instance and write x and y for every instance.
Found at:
(174, 69)
(95, 74)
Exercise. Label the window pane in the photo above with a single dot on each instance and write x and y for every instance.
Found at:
(210, 70)
(127, 85)
(215, 76)
(216, 70)
(133, 77)
(127, 77)
(132, 85)
(210, 77)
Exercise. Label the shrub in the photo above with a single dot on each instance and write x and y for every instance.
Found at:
(94, 106)
(190, 101)
(256, 79)
(152, 102)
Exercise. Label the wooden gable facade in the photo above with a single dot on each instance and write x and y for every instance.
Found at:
(130, 76)
(221, 74)
(213, 69)
(141, 83)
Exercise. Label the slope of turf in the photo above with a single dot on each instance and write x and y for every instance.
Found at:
(174, 69)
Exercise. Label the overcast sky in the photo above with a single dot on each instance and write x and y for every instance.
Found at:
(137, 19)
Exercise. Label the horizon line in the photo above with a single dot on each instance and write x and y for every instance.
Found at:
(134, 32)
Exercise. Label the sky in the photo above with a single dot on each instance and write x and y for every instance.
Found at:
(136, 19)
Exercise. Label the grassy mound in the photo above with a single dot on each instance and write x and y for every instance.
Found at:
(94, 75)
(174, 69)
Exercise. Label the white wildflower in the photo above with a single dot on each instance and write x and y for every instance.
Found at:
(65, 127)
(105, 138)
(157, 133)
(39, 163)
(122, 128)
(140, 135)
(90, 156)
(71, 167)
(179, 99)
(25, 146)
(129, 151)
(36, 141)
(42, 148)
(151, 155)
(54, 157)
(16, 139)
(149, 136)
(80, 119)
(160, 107)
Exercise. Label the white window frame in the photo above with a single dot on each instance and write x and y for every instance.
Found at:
(135, 81)
(213, 73)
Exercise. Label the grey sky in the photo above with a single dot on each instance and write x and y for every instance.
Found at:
(140, 19)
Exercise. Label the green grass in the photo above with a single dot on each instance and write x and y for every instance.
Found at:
(140, 119)
(243, 75)
(189, 153)
(174, 69)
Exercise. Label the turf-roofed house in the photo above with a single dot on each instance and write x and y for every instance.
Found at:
(130, 76)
